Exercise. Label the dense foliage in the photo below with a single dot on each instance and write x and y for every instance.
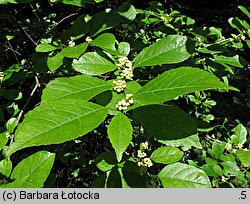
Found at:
(105, 93)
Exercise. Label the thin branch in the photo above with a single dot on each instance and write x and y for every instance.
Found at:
(18, 62)
(37, 85)
(35, 13)
(30, 38)
(65, 18)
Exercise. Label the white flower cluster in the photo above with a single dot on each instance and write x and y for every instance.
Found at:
(1, 76)
(124, 62)
(72, 44)
(124, 103)
(53, 1)
(228, 146)
(120, 85)
(141, 154)
(127, 73)
(146, 162)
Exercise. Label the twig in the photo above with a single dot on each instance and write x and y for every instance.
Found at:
(215, 140)
(13, 52)
(30, 38)
(25, 106)
(35, 13)
(73, 14)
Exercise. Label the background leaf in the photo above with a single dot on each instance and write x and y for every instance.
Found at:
(185, 143)
(244, 157)
(165, 122)
(55, 62)
(45, 47)
(168, 50)
(74, 52)
(5, 167)
(120, 134)
(183, 176)
(54, 123)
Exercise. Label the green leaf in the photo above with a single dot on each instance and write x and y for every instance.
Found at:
(230, 168)
(54, 123)
(120, 134)
(235, 60)
(133, 176)
(218, 149)
(114, 179)
(244, 10)
(244, 157)
(124, 48)
(240, 135)
(177, 82)
(3, 140)
(45, 47)
(106, 161)
(185, 143)
(74, 2)
(5, 167)
(11, 124)
(127, 11)
(106, 41)
(168, 50)
(55, 62)
(166, 155)
(77, 87)
(165, 122)
(93, 64)
(183, 176)
(132, 87)
(32, 171)
(74, 52)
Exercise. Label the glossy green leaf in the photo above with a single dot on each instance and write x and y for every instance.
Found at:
(120, 134)
(166, 155)
(93, 64)
(32, 171)
(127, 11)
(218, 149)
(180, 175)
(11, 124)
(55, 62)
(165, 122)
(240, 135)
(54, 123)
(78, 87)
(106, 161)
(235, 60)
(5, 167)
(244, 10)
(168, 50)
(3, 140)
(231, 168)
(106, 42)
(45, 47)
(123, 48)
(74, 52)
(177, 82)
(185, 143)
(244, 157)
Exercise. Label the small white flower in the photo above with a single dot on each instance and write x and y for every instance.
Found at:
(120, 85)
(127, 73)
(88, 39)
(147, 162)
(144, 145)
(140, 164)
(141, 154)
(240, 146)
(1, 76)
(234, 151)
(224, 179)
(72, 44)
(228, 146)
